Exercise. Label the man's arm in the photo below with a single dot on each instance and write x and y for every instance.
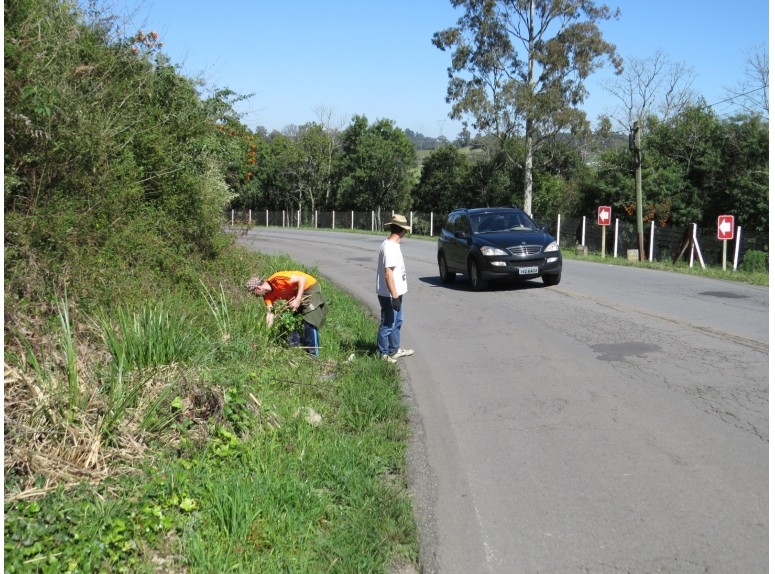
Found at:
(391, 285)
(300, 281)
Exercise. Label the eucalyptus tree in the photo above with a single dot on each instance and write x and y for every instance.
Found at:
(518, 68)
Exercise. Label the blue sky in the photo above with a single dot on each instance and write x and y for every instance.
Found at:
(307, 60)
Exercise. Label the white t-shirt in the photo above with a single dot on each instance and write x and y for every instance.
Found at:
(390, 256)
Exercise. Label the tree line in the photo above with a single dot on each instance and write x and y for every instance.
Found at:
(696, 166)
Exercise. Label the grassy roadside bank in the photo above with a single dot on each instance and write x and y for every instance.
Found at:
(753, 274)
(183, 436)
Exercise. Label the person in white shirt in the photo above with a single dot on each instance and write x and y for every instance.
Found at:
(391, 287)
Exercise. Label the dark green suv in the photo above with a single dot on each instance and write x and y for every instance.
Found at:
(497, 242)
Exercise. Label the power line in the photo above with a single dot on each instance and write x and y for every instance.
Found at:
(738, 96)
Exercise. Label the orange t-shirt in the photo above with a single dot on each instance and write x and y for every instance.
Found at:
(282, 288)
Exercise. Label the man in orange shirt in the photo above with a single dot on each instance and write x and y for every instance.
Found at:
(302, 293)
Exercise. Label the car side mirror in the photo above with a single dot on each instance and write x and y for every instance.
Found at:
(544, 228)
(461, 234)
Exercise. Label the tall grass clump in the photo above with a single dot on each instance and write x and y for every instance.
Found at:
(73, 393)
(151, 337)
(220, 310)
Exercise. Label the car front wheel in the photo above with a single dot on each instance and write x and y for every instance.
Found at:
(447, 276)
(551, 280)
(475, 275)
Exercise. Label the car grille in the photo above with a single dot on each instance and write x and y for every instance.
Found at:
(525, 250)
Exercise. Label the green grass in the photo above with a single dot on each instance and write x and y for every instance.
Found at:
(714, 271)
(223, 449)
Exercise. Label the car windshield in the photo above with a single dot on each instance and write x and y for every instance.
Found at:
(501, 221)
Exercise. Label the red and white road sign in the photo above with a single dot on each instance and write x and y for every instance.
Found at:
(726, 226)
(604, 215)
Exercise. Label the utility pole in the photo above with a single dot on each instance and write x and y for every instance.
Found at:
(637, 158)
(441, 131)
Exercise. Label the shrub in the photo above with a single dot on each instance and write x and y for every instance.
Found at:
(755, 262)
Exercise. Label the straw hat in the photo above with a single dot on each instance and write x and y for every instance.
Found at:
(399, 221)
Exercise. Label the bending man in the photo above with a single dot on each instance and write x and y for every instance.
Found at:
(302, 293)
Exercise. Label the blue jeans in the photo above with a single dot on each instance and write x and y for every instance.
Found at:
(389, 333)
(311, 339)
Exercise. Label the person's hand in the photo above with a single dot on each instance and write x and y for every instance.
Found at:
(397, 304)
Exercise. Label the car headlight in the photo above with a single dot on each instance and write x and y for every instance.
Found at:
(552, 247)
(492, 251)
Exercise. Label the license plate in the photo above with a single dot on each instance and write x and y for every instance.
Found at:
(528, 270)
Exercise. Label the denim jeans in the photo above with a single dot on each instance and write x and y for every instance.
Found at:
(311, 339)
(389, 333)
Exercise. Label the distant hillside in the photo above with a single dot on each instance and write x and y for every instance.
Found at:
(422, 142)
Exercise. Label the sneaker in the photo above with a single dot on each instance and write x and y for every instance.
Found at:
(402, 353)
(389, 359)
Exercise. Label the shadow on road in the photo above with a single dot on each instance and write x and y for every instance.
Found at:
(463, 284)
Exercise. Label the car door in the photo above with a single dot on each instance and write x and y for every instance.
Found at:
(459, 242)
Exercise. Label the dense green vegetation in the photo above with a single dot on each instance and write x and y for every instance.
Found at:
(152, 421)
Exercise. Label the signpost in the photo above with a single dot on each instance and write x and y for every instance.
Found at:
(726, 231)
(603, 219)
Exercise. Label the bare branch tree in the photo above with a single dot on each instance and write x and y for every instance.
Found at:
(652, 86)
(326, 118)
(333, 128)
(752, 94)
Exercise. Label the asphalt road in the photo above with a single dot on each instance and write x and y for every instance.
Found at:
(615, 423)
